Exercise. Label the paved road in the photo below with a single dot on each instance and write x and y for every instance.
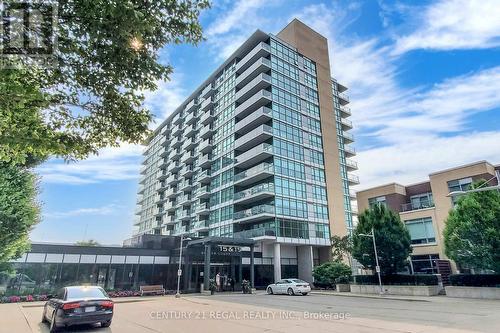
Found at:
(283, 314)
(474, 315)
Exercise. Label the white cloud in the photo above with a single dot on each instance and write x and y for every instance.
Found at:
(453, 24)
(411, 162)
(167, 98)
(235, 25)
(104, 210)
(417, 130)
(112, 164)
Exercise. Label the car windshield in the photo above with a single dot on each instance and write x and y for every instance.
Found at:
(297, 281)
(84, 292)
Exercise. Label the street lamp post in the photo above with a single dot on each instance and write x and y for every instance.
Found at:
(479, 188)
(179, 271)
(377, 268)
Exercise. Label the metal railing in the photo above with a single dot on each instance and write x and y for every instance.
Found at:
(259, 232)
(254, 170)
(266, 187)
(416, 205)
(256, 210)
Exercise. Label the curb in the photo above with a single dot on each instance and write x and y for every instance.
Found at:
(369, 296)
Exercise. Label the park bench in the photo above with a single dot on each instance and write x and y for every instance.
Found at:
(153, 290)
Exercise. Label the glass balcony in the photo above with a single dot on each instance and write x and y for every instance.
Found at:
(261, 98)
(344, 99)
(204, 177)
(346, 124)
(348, 137)
(184, 199)
(254, 155)
(345, 111)
(191, 105)
(205, 146)
(202, 208)
(353, 179)
(202, 192)
(256, 233)
(187, 171)
(199, 226)
(206, 131)
(407, 207)
(184, 215)
(262, 81)
(349, 151)
(254, 137)
(260, 116)
(255, 193)
(261, 50)
(205, 161)
(207, 103)
(351, 165)
(255, 213)
(254, 174)
(258, 67)
(207, 91)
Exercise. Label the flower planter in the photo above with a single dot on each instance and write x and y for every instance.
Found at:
(396, 290)
(343, 287)
(473, 292)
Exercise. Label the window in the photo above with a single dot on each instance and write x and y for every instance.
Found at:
(283, 52)
(291, 207)
(289, 168)
(292, 229)
(227, 176)
(315, 141)
(286, 114)
(288, 149)
(318, 174)
(377, 201)
(421, 230)
(226, 194)
(320, 211)
(316, 157)
(322, 231)
(286, 131)
(319, 192)
(290, 187)
(226, 213)
(285, 98)
(463, 184)
(285, 82)
(422, 201)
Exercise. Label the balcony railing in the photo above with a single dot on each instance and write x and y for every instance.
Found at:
(254, 233)
(266, 187)
(256, 210)
(416, 206)
(255, 170)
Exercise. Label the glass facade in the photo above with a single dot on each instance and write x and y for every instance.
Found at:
(248, 148)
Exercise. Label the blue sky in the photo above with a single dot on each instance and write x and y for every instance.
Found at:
(424, 79)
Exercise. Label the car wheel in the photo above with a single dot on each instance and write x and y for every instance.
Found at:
(44, 319)
(106, 323)
(53, 323)
(269, 291)
(304, 294)
(290, 292)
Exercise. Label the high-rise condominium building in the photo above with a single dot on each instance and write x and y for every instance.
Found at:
(424, 207)
(260, 150)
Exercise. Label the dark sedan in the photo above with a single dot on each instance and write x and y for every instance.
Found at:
(78, 305)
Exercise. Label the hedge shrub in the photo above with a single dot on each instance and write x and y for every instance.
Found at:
(326, 274)
(475, 280)
(398, 279)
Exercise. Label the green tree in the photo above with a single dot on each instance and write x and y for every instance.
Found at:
(341, 247)
(472, 230)
(392, 238)
(107, 56)
(89, 242)
(19, 210)
(326, 274)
